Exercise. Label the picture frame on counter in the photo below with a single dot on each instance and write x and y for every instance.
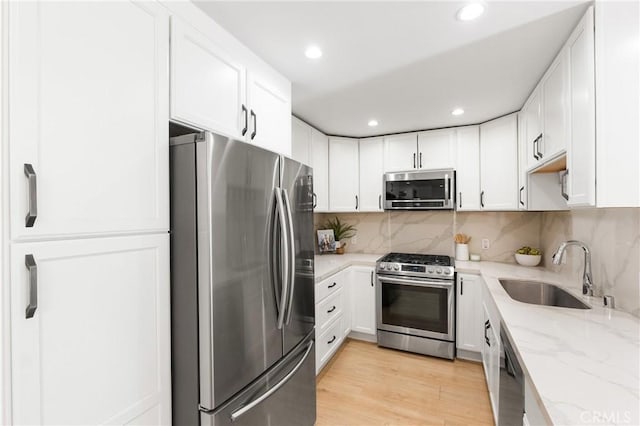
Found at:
(326, 241)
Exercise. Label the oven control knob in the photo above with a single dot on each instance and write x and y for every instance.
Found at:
(430, 270)
(383, 266)
(438, 270)
(396, 267)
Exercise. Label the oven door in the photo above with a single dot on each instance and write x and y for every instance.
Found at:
(419, 307)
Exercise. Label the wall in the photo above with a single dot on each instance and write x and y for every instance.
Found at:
(432, 231)
(613, 236)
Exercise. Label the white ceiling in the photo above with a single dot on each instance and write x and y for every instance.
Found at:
(405, 64)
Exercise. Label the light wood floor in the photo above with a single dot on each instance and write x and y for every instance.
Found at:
(367, 385)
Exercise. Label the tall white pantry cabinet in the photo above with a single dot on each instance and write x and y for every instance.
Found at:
(85, 306)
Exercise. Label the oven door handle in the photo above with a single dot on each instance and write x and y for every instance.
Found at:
(418, 283)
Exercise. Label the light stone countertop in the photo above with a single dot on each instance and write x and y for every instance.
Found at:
(583, 364)
(328, 264)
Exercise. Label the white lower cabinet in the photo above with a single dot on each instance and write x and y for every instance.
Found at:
(90, 331)
(491, 350)
(469, 317)
(330, 311)
(363, 300)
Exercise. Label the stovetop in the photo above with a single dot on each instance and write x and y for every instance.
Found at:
(416, 265)
(418, 259)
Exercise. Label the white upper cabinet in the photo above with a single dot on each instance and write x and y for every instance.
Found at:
(499, 164)
(437, 149)
(581, 161)
(320, 165)
(532, 127)
(618, 105)
(371, 171)
(555, 109)
(96, 349)
(468, 168)
(343, 175)
(208, 87)
(401, 152)
(269, 115)
(300, 141)
(89, 107)
(213, 89)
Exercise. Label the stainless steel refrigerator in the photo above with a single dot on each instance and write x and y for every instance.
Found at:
(242, 287)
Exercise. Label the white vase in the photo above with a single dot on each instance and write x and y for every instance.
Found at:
(462, 251)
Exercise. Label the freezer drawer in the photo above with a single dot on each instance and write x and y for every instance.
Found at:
(293, 402)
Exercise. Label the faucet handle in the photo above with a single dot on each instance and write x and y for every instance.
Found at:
(609, 301)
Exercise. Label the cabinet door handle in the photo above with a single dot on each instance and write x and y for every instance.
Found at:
(420, 160)
(332, 285)
(333, 339)
(539, 139)
(461, 286)
(460, 199)
(32, 214)
(535, 150)
(380, 201)
(333, 308)
(371, 278)
(246, 120)
(356, 202)
(521, 190)
(30, 263)
(482, 199)
(414, 160)
(255, 124)
(563, 185)
(487, 326)
(315, 200)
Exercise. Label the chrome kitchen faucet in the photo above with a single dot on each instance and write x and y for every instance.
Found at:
(587, 278)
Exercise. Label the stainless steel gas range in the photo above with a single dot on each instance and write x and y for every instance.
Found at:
(415, 303)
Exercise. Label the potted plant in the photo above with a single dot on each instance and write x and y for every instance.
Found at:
(341, 231)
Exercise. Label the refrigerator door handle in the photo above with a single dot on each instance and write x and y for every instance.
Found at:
(284, 241)
(245, 409)
(292, 255)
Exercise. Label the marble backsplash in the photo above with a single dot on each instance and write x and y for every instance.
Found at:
(432, 231)
(613, 236)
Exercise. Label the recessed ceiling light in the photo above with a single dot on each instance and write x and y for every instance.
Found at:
(471, 11)
(313, 52)
(373, 123)
(457, 111)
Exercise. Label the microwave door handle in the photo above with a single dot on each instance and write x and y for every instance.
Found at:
(284, 245)
(446, 188)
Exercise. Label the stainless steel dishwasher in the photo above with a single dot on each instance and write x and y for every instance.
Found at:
(511, 394)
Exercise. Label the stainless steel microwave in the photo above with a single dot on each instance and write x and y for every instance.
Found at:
(419, 190)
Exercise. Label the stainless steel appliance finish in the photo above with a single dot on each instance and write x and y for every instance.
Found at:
(419, 190)
(511, 392)
(242, 284)
(415, 303)
(540, 293)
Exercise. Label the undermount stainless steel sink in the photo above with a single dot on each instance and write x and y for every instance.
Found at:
(539, 293)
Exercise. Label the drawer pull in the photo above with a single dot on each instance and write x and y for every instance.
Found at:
(332, 285)
(331, 310)
(333, 339)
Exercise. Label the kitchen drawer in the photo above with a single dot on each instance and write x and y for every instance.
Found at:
(328, 342)
(330, 285)
(328, 309)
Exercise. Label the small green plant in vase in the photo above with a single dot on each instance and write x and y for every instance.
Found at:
(341, 232)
